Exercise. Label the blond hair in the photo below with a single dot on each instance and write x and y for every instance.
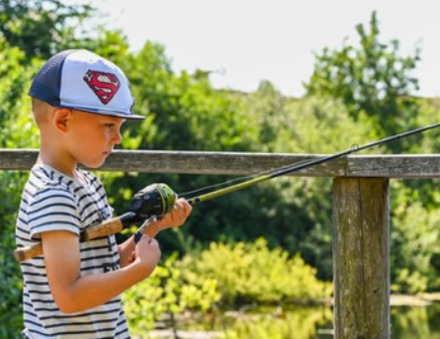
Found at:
(41, 111)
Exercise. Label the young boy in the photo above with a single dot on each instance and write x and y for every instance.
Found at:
(80, 101)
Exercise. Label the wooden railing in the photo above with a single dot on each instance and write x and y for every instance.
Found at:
(360, 198)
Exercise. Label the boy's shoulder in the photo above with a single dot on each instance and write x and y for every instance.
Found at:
(54, 201)
(44, 178)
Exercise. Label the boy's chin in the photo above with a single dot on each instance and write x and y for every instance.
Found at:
(93, 164)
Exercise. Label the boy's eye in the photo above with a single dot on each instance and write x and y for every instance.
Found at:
(113, 124)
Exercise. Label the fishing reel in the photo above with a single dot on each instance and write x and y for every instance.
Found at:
(153, 200)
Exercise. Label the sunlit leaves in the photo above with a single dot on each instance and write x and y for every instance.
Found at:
(42, 27)
(247, 272)
(371, 77)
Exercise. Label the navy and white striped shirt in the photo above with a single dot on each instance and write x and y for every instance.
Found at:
(53, 201)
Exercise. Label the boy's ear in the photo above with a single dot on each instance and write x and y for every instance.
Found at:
(61, 118)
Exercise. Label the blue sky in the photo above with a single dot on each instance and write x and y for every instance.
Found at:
(245, 41)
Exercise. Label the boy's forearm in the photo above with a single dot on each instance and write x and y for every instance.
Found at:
(93, 290)
(75, 292)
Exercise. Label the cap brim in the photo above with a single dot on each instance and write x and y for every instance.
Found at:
(123, 116)
(107, 113)
(127, 117)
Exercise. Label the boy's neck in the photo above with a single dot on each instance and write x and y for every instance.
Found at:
(53, 154)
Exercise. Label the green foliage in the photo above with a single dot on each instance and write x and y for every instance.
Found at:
(41, 27)
(225, 274)
(167, 291)
(374, 84)
(301, 207)
(267, 107)
(415, 322)
(415, 229)
(427, 114)
(17, 130)
(372, 79)
(415, 246)
(318, 121)
(249, 273)
(10, 276)
(14, 110)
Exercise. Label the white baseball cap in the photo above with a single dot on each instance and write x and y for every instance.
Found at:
(82, 80)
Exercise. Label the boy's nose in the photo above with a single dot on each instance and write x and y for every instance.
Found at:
(117, 139)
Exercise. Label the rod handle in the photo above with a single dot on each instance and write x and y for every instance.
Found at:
(26, 253)
(111, 226)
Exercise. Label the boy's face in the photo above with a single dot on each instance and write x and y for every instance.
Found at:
(91, 137)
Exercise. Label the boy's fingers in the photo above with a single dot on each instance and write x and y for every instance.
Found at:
(183, 206)
(132, 257)
(182, 210)
(178, 215)
(147, 238)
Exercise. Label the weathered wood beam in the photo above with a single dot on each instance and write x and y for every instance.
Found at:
(361, 272)
(238, 163)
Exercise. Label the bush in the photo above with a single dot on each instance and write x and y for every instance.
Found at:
(227, 274)
(167, 292)
(255, 273)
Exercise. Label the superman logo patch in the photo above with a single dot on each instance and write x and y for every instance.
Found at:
(104, 85)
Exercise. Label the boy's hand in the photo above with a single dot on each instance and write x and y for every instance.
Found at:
(177, 217)
(148, 252)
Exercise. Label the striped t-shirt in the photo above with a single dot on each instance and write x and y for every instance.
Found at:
(54, 201)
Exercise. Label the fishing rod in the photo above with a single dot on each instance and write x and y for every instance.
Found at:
(156, 200)
(297, 167)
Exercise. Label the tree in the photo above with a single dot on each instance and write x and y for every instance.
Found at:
(42, 27)
(372, 79)
(267, 106)
(16, 131)
(375, 84)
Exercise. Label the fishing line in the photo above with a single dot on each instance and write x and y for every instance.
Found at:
(243, 178)
(254, 175)
(304, 164)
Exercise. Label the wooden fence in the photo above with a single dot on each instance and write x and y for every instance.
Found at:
(360, 198)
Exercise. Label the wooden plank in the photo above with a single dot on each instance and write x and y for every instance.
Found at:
(17, 159)
(188, 162)
(394, 166)
(242, 163)
(361, 258)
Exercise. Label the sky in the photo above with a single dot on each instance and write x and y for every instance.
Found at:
(246, 41)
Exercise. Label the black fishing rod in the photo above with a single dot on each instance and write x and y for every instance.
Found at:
(297, 167)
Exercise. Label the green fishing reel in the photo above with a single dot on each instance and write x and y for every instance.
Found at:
(153, 200)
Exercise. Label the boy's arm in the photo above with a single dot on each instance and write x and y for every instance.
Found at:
(74, 292)
(177, 217)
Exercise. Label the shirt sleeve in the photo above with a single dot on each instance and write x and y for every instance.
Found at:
(53, 209)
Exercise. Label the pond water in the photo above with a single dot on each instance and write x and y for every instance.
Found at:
(415, 322)
(407, 322)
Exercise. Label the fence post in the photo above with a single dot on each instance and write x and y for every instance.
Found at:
(361, 258)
